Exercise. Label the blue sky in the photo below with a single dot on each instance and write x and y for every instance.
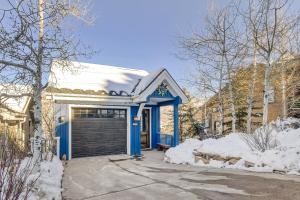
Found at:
(143, 33)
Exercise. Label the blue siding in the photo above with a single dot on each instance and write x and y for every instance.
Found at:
(62, 131)
(176, 125)
(135, 142)
(155, 126)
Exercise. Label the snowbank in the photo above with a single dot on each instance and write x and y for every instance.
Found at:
(183, 153)
(48, 185)
(284, 157)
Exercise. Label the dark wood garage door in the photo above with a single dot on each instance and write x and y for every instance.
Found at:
(98, 131)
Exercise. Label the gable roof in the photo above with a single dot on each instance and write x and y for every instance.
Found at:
(86, 76)
(94, 79)
(150, 83)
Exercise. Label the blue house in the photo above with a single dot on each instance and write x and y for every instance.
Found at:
(103, 110)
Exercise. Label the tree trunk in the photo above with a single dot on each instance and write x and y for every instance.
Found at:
(37, 98)
(232, 107)
(266, 91)
(251, 92)
(283, 88)
(221, 105)
(38, 132)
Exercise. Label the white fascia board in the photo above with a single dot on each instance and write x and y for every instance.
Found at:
(174, 89)
(141, 107)
(27, 104)
(87, 98)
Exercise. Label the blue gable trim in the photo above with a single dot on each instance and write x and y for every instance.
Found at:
(176, 100)
(157, 94)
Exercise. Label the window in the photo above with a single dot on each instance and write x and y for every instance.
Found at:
(98, 113)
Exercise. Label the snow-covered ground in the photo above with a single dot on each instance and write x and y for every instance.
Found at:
(48, 185)
(284, 157)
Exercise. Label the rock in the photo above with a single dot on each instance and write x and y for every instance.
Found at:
(278, 171)
(263, 165)
(217, 157)
(205, 161)
(206, 157)
(249, 164)
(233, 161)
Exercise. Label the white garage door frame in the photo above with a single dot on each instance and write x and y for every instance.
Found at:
(71, 106)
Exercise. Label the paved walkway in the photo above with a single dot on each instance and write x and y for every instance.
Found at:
(115, 178)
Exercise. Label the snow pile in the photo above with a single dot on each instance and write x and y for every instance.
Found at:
(284, 157)
(48, 185)
(183, 153)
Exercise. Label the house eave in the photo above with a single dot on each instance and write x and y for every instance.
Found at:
(96, 99)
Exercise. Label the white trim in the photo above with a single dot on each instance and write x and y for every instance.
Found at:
(92, 98)
(174, 89)
(150, 125)
(26, 105)
(128, 130)
(70, 131)
(128, 110)
(85, 95)
(141, 107)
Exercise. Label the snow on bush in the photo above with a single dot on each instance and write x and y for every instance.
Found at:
(48, 185)
(284, 156)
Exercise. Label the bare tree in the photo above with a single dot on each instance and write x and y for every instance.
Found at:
(16, 180)
(287, 48)
(252, 48)
(32, 36)
(219, 52)
(265, 26)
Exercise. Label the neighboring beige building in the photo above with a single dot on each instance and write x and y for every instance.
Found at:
(242, 79)
(16, 119)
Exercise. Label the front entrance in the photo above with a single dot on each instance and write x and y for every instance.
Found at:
(145, 129)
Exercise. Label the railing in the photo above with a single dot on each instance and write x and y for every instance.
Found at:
(166, 139)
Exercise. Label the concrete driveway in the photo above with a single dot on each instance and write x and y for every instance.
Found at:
(112, 177)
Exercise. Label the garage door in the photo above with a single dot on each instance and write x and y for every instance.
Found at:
(98, 131)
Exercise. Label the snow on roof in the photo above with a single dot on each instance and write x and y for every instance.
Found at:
(146, 81)
(16, 102)
(86, 76)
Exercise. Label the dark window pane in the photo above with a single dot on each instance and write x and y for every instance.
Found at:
(122, 116)
(122, 112)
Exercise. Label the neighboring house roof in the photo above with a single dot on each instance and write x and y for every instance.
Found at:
(14, 101)
(14, 97)
(94, 79)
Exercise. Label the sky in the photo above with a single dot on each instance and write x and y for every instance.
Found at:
(143, 34)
